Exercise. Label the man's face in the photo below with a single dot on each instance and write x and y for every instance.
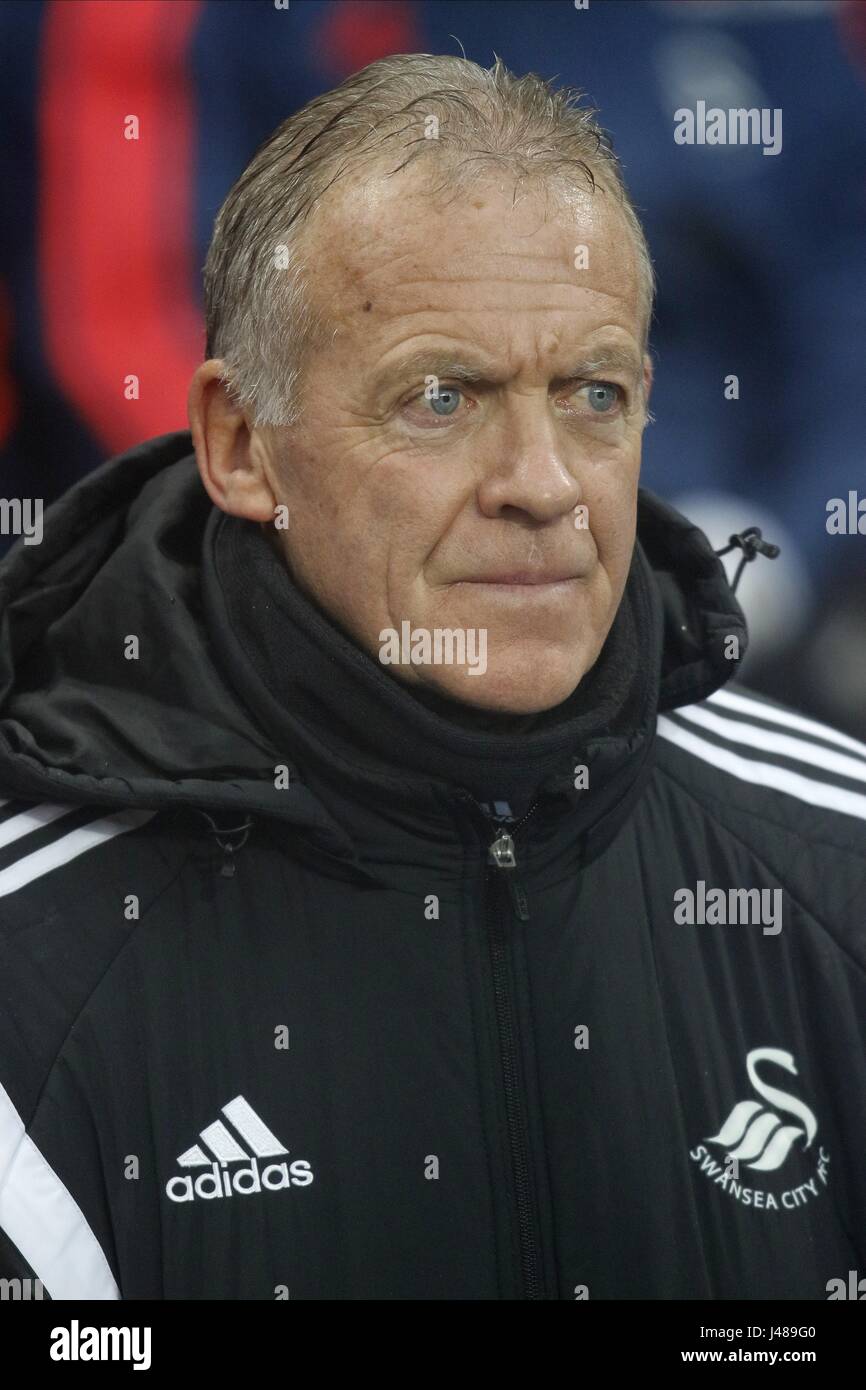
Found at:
(503, 508)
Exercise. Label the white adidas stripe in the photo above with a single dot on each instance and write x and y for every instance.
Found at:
(28, 821)
(194, 1158)
(783, 744)
(765, 774)
(733, 700)
(68, 847)
(222, 1143)
(43, 1219)
(263, 1143)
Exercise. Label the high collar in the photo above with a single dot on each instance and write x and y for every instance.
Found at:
(370, 749)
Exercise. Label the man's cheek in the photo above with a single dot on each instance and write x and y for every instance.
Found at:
(606, 511)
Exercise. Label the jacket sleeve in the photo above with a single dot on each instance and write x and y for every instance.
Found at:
(55, 1223)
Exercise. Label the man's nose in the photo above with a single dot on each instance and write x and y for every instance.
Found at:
(531, 466)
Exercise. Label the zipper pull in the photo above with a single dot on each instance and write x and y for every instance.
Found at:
(501, 853)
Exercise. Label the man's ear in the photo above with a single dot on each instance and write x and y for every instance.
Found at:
(230, 467)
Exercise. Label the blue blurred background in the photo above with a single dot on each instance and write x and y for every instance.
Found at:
(761, 259)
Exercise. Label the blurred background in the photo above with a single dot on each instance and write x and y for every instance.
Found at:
(761, 259)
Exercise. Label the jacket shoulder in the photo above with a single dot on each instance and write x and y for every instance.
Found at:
(772, 796)
(740, 751)
(68, 878)
(789, 789)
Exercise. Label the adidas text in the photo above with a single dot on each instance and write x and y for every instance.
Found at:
(219, 1182)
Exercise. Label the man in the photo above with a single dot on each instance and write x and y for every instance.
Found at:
(395, 902)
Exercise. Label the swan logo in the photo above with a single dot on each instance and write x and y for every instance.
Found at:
(760, 1136)
(753, 1133)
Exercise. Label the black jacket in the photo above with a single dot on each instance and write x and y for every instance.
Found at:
(313, 988)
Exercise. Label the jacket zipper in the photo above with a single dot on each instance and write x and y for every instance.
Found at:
(502, 854)
(502, 860)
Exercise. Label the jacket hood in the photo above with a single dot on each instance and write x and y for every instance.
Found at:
(111, 691)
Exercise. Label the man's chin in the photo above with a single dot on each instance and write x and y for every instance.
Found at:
(498, 690)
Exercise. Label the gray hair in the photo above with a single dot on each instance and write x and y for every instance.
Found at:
(259, 311)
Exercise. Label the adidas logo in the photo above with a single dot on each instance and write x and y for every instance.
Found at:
(220, 1180)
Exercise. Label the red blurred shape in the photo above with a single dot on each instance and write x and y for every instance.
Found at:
(356, 32)
(116, 260)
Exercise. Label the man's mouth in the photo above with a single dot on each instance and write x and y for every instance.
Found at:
(525, 579)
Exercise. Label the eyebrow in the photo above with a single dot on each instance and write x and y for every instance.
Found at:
(445, 363)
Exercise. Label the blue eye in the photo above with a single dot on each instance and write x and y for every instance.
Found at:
(447, 400)
(602, 396)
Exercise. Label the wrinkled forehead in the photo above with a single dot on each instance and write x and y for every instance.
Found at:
(392, 245)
